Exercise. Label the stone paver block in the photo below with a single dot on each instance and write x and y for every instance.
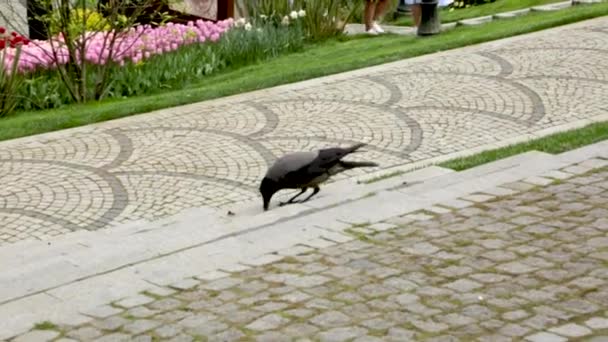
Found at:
(515, 315)
(37, 336)
(418, 216)
(515, 268)
(141, 325)
(514, 330)
(597, 323)
(307, 281)
(228, 335)
(557, 175)
(476, 21)
(576, 169)
(463, 285)
(110, 323)
(381, 226)
(212, 275)
(135, 301)
(341, 334)
(167, 331)
(221, 284)
(85, 333)
(208, 328)
(455, 204)
(478, 198)
(330, 319)
(185, 284)
(166, 304)
(545, 337)
(571, 330)
(295, 250)
(160, 291)
(268, 322)
(103, 311)
(430, 326)
(115, 337)
(318, 243)
(538, 180)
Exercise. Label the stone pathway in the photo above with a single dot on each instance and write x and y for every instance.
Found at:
(214, 153)
(528, 262)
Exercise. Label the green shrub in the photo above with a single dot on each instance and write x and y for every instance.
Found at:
(323, 18)
(10, 83)
(175, 70)
(81, 20)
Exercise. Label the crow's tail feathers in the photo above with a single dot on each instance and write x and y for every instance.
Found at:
(353, 164)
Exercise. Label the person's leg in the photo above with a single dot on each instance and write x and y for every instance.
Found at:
(381, 6)
(368, 15)
(416, 13)
(380, 9)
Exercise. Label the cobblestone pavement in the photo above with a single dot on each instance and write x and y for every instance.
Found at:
(214, 153)
(531, 265)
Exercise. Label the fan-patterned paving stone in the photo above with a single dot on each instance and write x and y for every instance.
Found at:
(214, 153)
(408, 282)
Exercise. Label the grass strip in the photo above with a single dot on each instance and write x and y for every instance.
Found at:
(554, 144)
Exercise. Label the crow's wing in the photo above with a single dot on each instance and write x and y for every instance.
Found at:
(289, 164)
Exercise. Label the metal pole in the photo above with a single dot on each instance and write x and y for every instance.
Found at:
(429, 18)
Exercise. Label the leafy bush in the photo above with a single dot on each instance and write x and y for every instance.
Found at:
(92, 58)
(9, 85)
(242, 45)
(82, 20)
(323, 19)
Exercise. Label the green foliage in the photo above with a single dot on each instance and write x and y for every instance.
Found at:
(323, 19)
(175, 70)
(10, 84)
(81, 20)
(46, 325)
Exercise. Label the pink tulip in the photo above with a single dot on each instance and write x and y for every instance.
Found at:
(138, 43)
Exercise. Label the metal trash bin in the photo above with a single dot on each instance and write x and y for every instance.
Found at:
(429, 18)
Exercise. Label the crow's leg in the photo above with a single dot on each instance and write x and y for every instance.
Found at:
(316, 191)
(293, 198)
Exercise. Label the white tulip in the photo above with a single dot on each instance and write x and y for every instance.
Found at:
(302, 13)
(285, 21)
(294, 15)
(248, 27)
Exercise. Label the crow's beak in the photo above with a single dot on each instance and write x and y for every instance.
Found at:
(266, 201)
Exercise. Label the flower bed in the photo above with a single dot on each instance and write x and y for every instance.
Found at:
(11, 40)
(135, 45)
(140, 61)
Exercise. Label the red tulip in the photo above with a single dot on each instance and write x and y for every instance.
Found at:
(2, 30)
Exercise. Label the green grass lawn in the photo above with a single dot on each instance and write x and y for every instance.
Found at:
(555, 143)
(321, 59)
(498, 6)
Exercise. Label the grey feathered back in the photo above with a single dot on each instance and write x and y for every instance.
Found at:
(289, 163)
